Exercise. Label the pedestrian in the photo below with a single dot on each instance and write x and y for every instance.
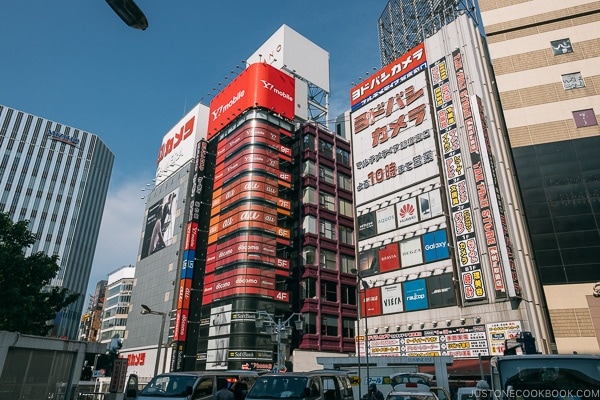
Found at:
(374, 393)
(223, 393)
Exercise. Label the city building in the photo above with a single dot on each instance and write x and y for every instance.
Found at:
(264, 227)
(92, 317)
(544, 55)
(57, 177)
(404, 24)
(444, 260)
(116, 303)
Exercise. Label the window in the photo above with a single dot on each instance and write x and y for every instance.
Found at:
(342, 156)
(346, 264)
(585, 118)
(329, 291)
(344, 182)
(329, 325)
(310, 323)
(309, 142)
(325, 148)
(346, 235)
(327, 201)
(309, 196)
(572, 81)
(309, 225)
(327, 229)
(309, 168)
(346, 208)
(326, 175)
(348, 295)
(309, 288)
(309, 255)
(561, 46)
(327, 259)
(348, 328)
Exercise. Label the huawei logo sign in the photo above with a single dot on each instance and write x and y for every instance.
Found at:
(406, 210)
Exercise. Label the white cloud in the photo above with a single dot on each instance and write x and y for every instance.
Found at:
(119, 236)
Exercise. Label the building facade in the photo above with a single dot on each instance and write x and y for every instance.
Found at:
(444, 261)
(263, 227)
(544, 55)
(57, 177)
(403, 24)
(116, 303)
(91, 320)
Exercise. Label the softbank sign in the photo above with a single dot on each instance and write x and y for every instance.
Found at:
(259, 85)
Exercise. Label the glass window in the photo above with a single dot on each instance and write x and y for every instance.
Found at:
(309, 168)
(326, 175)
(327, 201)
(342, 156)
(348, 327)
(310, 322)
(309, 195)
(325, 148)
(561, 46)
(329, 325)
(309, 142)
(346, 235)
(327, 259)
(346, 208)
(328, 291)
(327, 229)
(585, 118)
(348, 295)
(346, 263)
(344, 182)
(309, 287)
(309, 255)
(572, 81)
(309, 225)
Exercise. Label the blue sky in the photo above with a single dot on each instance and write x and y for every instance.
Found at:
(77, 63)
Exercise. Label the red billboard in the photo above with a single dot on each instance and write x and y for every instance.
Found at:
(259, 85)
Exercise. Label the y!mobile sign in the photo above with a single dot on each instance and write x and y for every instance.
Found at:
(259, 85)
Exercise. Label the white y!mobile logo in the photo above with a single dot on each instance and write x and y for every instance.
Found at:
(270, 87)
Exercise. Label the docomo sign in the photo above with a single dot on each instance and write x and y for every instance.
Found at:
(258, 85)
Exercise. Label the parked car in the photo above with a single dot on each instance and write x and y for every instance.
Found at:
(411, 391)
(191, 385)
(314, 385)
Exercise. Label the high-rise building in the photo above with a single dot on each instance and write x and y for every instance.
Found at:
(263, 223)
(403, 24)
(116, 303)
(57, 177)
(444, 260)
(544, 55)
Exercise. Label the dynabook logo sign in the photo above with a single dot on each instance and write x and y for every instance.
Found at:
(61, 137)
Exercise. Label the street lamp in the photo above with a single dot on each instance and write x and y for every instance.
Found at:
(278, 328)
(148, 311)
(363, 314)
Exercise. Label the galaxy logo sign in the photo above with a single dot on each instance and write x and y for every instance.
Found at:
(259, 85)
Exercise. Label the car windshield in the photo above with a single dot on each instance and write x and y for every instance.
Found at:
(168, 386)
(278, 387)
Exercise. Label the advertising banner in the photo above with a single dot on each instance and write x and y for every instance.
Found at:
(415, 295)
(392, 141)
(259, 85)
(158, 232)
